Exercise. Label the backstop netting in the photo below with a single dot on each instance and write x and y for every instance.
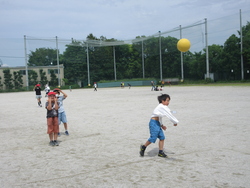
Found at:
(154, 56)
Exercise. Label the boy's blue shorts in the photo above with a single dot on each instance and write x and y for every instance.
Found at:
(62, 118)
(155, 131)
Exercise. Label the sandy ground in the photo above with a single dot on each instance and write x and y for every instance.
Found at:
(209, 147)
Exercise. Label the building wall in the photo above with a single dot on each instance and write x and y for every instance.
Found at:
(34, 68)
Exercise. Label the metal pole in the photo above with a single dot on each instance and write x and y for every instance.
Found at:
(241, 49)
(160, 55)
(142, 56)
(26, 63)
(57, 58)
(88, 63)
(182, 71)
(207, 59)
(114, 62)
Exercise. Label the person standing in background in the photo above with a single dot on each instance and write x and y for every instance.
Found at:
(38, 89)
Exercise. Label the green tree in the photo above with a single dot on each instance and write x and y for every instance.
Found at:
(32, 76)
(43, 57)
(66, 81)
(196, 65)
(215, 58)
(8, 79)
(246, 47)
(43, 77)
(53, 79)
(135, 66)
(171, 66)
(128, 57)
(74, 61)
(123, 60)
(231, 58)
(1, 85)
(101, 63)
(101, 60)
(18, 81)
(151, 52)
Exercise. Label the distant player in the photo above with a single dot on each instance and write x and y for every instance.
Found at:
(95, 86)
(156, 126)
(153, 86)
(38, 89)
(47, 90)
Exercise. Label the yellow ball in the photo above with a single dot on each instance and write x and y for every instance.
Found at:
(183, 45)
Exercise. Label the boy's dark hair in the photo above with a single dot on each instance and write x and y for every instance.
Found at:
(163, 97)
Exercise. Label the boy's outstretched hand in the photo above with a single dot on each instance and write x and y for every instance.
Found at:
(175, 124)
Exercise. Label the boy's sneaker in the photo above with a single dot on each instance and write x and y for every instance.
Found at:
(67, 133)
(56, 143)
(142, 150)
(51, 143)
(59, 134)
(162, 154)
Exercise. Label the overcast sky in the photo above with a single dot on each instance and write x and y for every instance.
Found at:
(119, 19)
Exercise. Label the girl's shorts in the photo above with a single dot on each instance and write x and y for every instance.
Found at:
(38, 96)
(155, 131)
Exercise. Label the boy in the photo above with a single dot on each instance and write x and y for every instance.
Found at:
(156, 126)
(95, 86)
(61, 112)
(37, 89)
(153, 86)
(47, 90)
(52, 107)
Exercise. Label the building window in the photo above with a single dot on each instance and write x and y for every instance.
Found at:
(55, 71)
(23, 72)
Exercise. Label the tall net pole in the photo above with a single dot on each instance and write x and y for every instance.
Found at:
(241, 48)
(142, 54)
(57, 57)
(207, 60)
(160, 55)
(26, 63)
(88, 63)
(182, 72)
(114, 62)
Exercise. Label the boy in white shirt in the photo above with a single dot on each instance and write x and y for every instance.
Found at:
(95, 86)
(47, 90)
(156, 126)
(61, 112)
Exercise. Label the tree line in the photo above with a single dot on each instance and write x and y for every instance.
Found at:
(224, 60)
(15, 80)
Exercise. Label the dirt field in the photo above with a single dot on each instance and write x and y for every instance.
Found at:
(208, 148)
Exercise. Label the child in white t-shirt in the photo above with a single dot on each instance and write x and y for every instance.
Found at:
(61, 112)
(156, 126)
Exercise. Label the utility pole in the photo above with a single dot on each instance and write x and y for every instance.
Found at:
(160, 55)
(26, 64)
(207, 59)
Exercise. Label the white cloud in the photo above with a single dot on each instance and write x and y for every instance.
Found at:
(5, 65)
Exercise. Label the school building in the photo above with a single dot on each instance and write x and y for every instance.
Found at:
(58, 72)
